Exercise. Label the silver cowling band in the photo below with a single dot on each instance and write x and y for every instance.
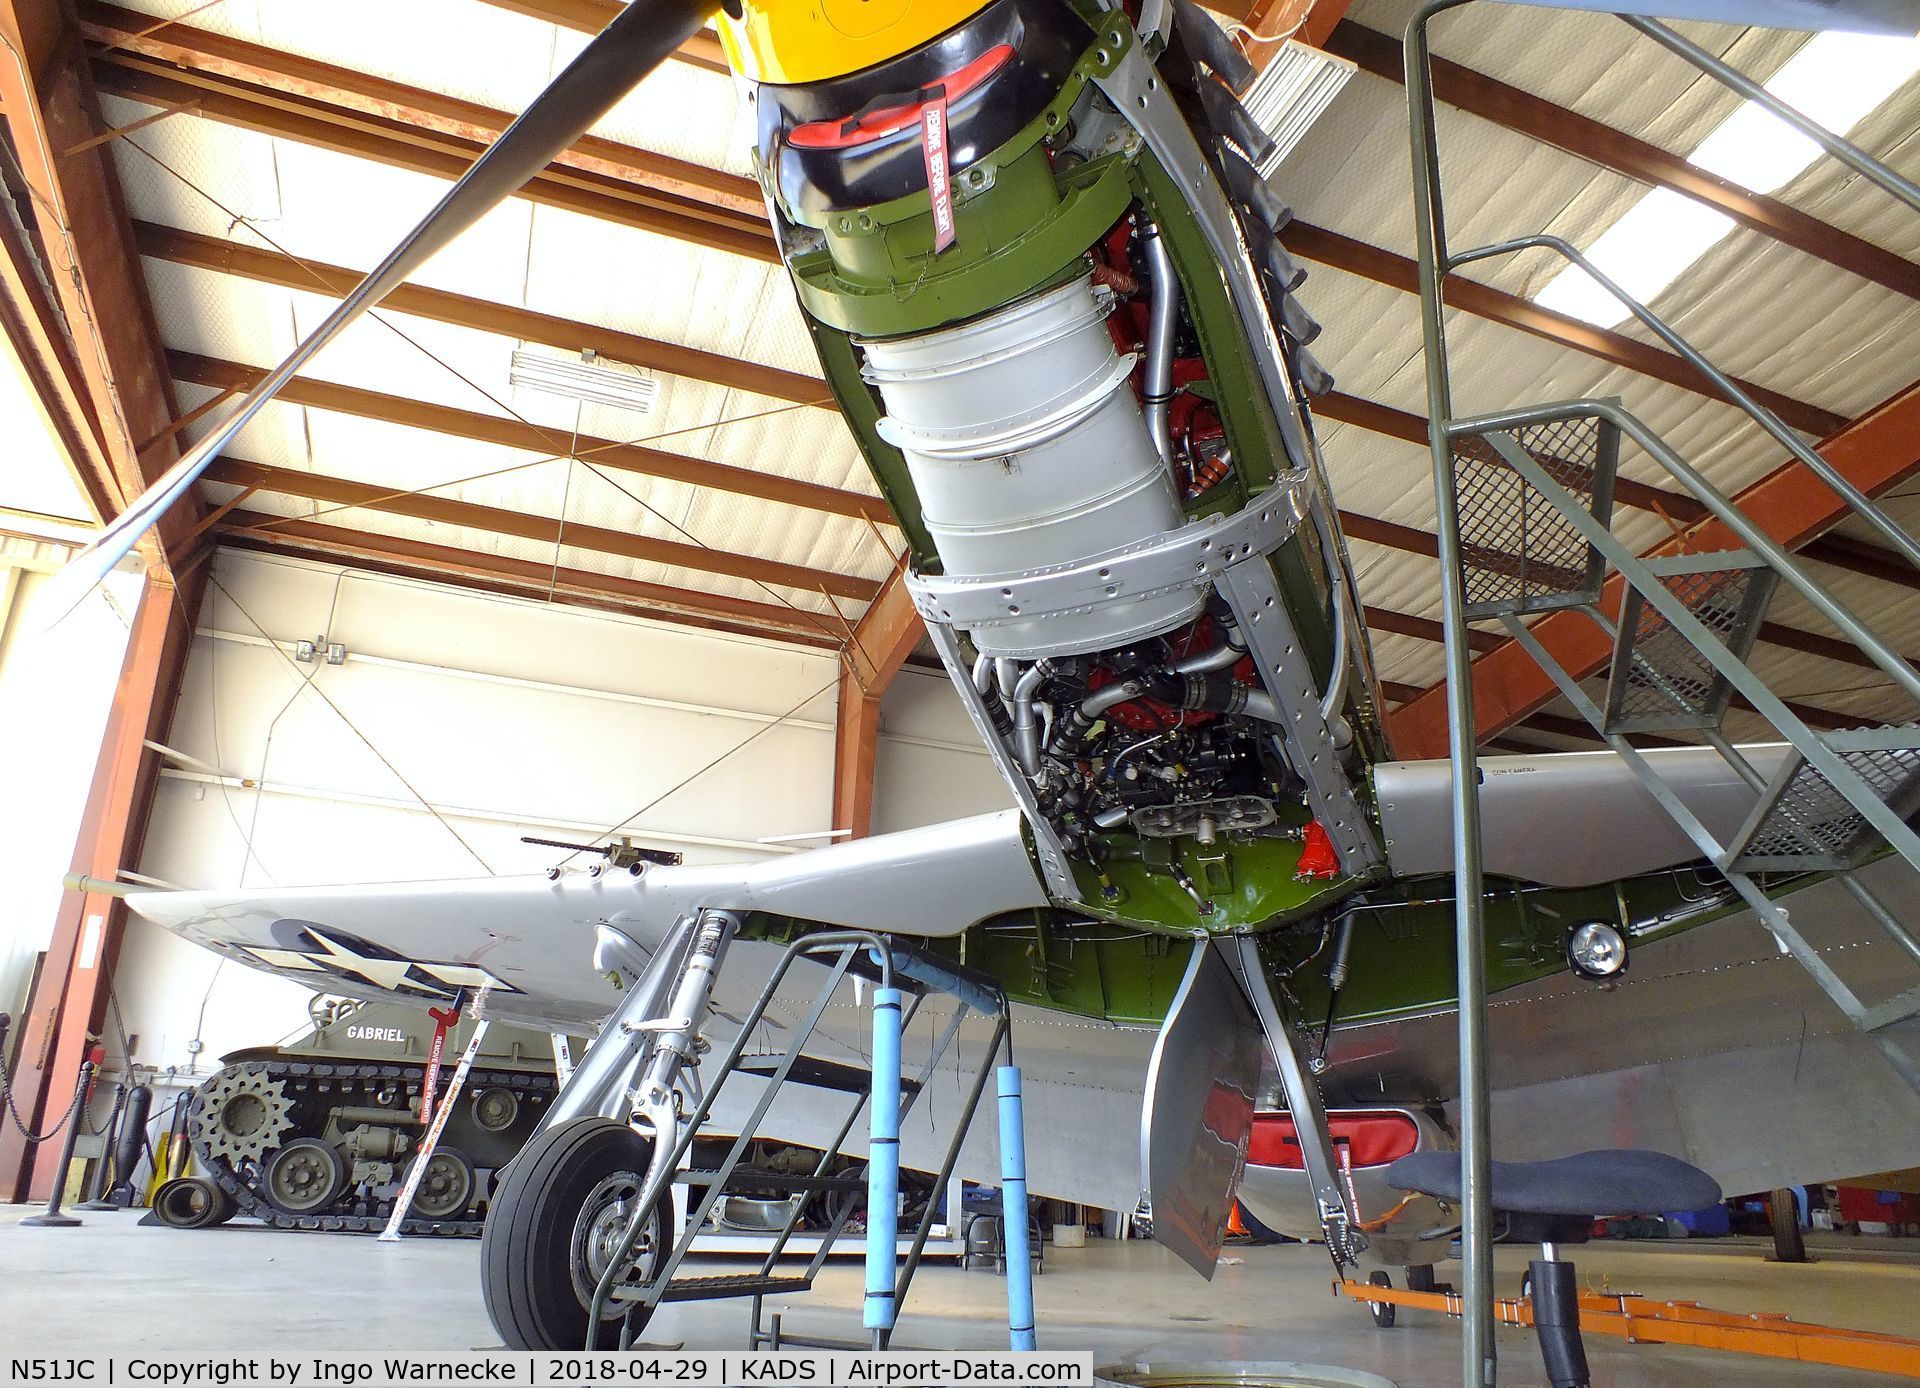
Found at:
(1194, 555)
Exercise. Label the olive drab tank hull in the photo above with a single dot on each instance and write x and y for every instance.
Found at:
(319, 1134)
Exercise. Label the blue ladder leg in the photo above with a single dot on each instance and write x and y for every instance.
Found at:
(883, 1168)
(1013, 1211)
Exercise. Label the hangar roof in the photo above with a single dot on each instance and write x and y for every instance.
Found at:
(269, 151)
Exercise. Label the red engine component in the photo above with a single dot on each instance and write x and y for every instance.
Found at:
(1152, 716)
(1372, 1137)
(1318, 861)
(1203, 444)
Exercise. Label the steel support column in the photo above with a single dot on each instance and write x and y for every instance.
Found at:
(70, 995)
(876, 649)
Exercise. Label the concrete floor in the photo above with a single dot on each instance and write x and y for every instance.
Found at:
(112, 1287)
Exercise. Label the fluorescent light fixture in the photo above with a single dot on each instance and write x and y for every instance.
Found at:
(587, 378)
(1836, 79)
(1291, 93)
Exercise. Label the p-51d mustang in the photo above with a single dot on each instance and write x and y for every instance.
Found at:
(1042, 275)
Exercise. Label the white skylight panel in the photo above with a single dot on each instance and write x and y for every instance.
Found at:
(1836, 79)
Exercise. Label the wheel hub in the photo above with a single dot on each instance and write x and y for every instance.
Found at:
(597, 1234)
(495, 1109)
(445, 1187)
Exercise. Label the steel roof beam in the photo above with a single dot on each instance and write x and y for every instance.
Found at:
(1385, 267)
(591, 16)
(529, 438)
(328, 125)
(275, 267)
(442, 510)
(1597, 143)
(493, 573)
(79, 250)
(185, 46)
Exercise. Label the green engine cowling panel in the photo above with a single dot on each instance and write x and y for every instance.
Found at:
(1401, 956)
(1024, 222)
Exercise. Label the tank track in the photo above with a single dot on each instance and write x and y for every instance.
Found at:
(357, 1082)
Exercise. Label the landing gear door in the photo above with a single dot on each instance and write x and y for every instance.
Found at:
(1198, 1116)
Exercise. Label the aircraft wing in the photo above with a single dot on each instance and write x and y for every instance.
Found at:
(531, 938)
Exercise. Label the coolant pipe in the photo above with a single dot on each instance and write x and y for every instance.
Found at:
(1163, 320)
(883, 1168)
(1221, 657)
(1013, 1211)
(1026, 724)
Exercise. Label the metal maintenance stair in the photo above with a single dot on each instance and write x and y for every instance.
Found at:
(1524, 519)
(1531, 492)
(1659, 681)
(916, 973)
(1526, 524)
(1539, 540)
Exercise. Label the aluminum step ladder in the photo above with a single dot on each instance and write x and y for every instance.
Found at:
(887, 964)
(1524, 511)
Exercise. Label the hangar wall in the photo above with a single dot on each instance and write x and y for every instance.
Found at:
(510, 718)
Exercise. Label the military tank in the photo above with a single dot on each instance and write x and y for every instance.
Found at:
(320, 1134)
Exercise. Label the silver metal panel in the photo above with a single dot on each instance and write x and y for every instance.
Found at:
(537, 936)
(1565, 819)
(1278, 657)
(1712, 1028)
(1198, 1117)
(1189, 557)
(1046, 844)
(1715, 1046)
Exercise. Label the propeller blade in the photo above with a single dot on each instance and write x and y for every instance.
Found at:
(1866, 16)
(638, 40)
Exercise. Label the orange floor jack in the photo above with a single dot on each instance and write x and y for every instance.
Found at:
(1639, 1320)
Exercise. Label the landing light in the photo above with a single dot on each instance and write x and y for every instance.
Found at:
(1597, 949)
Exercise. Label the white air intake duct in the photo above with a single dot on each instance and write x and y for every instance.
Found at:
(1028, 451)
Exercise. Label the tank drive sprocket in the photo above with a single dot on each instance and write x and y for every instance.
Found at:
(242, 1114)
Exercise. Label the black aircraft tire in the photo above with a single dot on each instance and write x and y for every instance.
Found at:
(1789, 1244)
(526, 1248)
(1383, 1311)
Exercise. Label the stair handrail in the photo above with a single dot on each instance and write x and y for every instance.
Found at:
(1840, 148)
(1857, 501)
(1770, 551)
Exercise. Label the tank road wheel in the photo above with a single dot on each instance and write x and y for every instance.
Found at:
(446, 1187)
(552, 1228)
(305, 1177)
